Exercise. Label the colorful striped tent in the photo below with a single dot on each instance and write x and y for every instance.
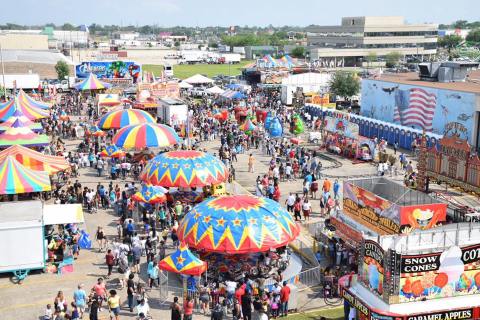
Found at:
(35, 160)
(92, 83)
(32, 112)
(146, 135)
(24, 136)
(25, 101)
(23, 120)
(183, 261)
(150, 194)
(15, 178)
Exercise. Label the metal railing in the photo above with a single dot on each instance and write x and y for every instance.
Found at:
(311, 277)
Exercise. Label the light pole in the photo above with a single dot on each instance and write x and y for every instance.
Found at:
(3, 72)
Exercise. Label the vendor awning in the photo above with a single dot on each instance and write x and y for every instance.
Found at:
(232, 94)
(62, 214)
(198, 79)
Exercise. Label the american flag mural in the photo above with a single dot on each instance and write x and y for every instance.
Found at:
(415, 107)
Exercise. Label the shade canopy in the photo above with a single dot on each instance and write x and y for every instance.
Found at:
(24, 136)
(184, 168)
(215, 90)
(92, 83)
(54, 214)
(150, 194)
(146, 135)
(109, 100)
(112, 151)
(198, 79)
(232, 94)
(35, 160)
(22, 120)
(237, 224)
(184, 85)
(183, 261)
(15, 178)
(117, 119)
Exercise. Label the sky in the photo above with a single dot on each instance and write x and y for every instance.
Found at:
(230, 12)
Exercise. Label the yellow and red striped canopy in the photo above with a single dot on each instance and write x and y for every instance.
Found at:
(15, 178)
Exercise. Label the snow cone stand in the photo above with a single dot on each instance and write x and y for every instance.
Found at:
(412, 264)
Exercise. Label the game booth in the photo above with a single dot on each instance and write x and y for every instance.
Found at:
(372, 128)
(342, 138)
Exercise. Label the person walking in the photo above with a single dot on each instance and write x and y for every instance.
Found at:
(114, 305)
(251, 162)
(246, 302)
(188, 309)
(130, 291)
(80, 299)
(110, 261)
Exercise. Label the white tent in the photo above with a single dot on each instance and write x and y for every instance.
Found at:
(185, 85)
(62, 214)
(215, 90)
(198, 79)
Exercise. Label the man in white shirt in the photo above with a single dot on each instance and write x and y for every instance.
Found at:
(290, 202)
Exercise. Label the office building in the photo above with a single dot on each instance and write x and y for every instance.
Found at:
(358, 37)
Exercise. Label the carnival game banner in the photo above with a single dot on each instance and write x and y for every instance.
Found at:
(341, 126)
(377, 214)
(161, 89)
(372, 266)
(109, 70)
(453, 272)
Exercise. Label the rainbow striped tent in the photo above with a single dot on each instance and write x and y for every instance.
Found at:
(23, 120)
(35, 160)
(32, 112)
(92, 83)
(17, 134)
(15, 178)
(26, 101)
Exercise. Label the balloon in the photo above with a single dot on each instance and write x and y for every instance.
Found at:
(298, 125)
(275, 129)
(268, 120)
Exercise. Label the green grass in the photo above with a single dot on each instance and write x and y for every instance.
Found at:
(329, 314)
(184, 71)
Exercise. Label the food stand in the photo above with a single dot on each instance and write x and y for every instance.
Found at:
(26, 224)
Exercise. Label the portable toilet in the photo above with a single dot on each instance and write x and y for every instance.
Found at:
(391, 135)
(401, 138)
(408, 140)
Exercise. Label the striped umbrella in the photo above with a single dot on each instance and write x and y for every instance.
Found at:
(92, 83)
(145, 135)
(24, 136)
(15, 178)
(23, 120)
(125, 117)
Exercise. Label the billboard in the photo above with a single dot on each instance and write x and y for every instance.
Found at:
(377, 214)
(385, 217)
(453, 272)
(341, 126)
(436, 110)
(109, 70)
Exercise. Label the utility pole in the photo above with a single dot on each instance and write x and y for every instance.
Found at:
(3, 72)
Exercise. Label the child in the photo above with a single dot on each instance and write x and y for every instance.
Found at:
(275, 305)
(48, 313)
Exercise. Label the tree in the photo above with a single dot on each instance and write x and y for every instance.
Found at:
(371, 57)
(298, 52)
(213, 45)
(474, 36)
(393, 58)
(177, 44)
(345, 84)
(460, 24)
(62, 70)
(449, 41)
(68, 27)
